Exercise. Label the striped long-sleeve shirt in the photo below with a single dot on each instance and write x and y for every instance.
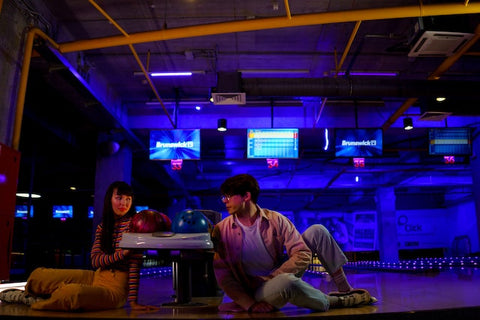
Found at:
(118, 260)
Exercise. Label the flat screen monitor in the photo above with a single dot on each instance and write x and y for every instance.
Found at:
(22, 211)
(450, 141)
(358, 142)
(62, 212)
(175, 144)
(272, 143)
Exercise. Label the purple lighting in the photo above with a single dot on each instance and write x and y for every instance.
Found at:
(170, 74)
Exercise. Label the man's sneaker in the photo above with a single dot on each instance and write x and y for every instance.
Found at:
(338, 294)
(353, 298)
(17, 296)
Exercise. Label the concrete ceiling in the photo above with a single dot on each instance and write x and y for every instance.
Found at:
(296, 62)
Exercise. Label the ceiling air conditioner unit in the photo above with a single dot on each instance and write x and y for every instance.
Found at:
(432, 110)
(434, 116)
(439, 36)
(229, 98)
(229, 89)
(439, 44)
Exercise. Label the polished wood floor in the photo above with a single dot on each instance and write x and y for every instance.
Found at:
(403, 292)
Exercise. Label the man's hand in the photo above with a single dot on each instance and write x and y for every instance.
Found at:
(261, 307)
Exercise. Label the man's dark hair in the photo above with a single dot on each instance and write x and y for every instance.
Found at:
(241, 184)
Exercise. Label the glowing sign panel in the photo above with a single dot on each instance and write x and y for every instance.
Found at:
(175, 144)
(450, 141)
(272, 143)
(366, 142)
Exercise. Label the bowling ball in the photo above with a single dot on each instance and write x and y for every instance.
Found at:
(150, 220)
(191, 221)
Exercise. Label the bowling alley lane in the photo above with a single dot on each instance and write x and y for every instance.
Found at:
(427, 288)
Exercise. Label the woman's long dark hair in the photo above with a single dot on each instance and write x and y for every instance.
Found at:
(108, 218)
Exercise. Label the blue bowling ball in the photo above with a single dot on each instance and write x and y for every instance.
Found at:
(191, 221)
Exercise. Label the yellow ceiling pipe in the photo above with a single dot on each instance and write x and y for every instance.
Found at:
(447, 63)
(272, 23)
(22, 86)
(106, 15)
(137, 58)
(347, 49)
(287, 8)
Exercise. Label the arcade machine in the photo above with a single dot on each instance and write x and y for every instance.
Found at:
(9, 168)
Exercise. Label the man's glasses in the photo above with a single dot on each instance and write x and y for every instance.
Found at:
(226, 198)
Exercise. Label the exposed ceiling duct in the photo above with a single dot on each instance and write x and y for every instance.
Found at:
(357, 87)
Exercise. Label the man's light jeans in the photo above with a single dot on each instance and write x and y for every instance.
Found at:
(289, 288)
(286, 288)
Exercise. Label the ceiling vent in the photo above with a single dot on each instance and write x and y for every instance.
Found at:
(229, 98)
(434, 116)
(229, 89)
(439, 44)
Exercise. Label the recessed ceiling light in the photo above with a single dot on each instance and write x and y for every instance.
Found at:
(27, 195)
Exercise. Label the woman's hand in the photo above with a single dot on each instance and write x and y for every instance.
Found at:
(141, 307)
(132, 253)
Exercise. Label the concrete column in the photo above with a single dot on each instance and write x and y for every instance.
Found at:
(475, 165)
(110, 167)
(386, 222)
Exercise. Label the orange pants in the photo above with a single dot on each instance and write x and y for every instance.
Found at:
(75, 289)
